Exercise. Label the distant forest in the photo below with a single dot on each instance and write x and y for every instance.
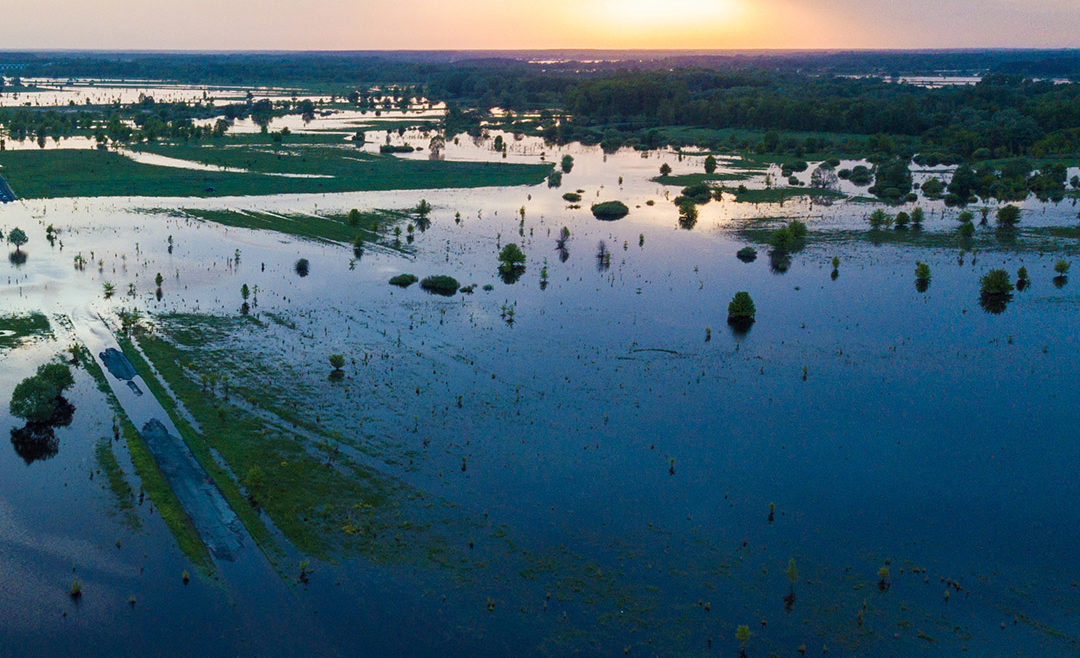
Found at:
(633, 98)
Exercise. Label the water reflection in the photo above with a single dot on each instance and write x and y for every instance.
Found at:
(37, 441)
(994, 304)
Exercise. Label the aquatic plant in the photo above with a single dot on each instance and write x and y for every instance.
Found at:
(567, 163)
(917, 215)
(901, 220)
(403, 280)
(883, 579)
(742, 634)
(554, 179)
(610, 210)
(301, 267)
(440, 284)
(423, 208)
(665, 169)
(1022, 280)
(354, 217)
(1061, 267)
(572, 197)
(710, 164)
(76, 589)
(109, 289)
(747, 254)
(967, 230)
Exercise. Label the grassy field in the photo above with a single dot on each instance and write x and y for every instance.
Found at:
(91, 173)
(781, 194)
(14, 329)
(325, 504)
(686, 180)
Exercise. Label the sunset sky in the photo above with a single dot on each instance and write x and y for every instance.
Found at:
(519, 24)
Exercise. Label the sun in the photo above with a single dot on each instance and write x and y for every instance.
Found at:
(652, 23)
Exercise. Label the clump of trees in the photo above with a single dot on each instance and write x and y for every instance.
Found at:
(1061, 267)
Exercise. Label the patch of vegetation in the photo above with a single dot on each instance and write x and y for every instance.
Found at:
(116, 480)
(17, 329)
(440, 284)
(198, 445)
(572, 197)
(610, 210)
(403, 280)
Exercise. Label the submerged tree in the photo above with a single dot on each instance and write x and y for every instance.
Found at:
(18, 238)
(741, 311)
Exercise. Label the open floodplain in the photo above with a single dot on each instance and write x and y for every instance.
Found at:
(576, 456)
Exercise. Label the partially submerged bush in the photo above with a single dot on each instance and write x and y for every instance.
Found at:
(403, 280)
(610, 210)
(789, 238)
(741, 311)
(511, 259)
(922, 271)
(440, 284)
(747, 254)
(1008, 216)
(880, 219)
(995, 283)
(572, 197)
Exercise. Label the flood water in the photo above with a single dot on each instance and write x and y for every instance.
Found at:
(638, 474)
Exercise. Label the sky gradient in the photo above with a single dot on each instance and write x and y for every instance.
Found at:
(518, 24)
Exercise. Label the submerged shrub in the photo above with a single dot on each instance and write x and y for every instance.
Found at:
(403, 280)
(440, 284)
(511, 258)
(610, 210)
(302, 267)
(1061, 267)
(747, 254)
(572, 197)
(922, 271)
